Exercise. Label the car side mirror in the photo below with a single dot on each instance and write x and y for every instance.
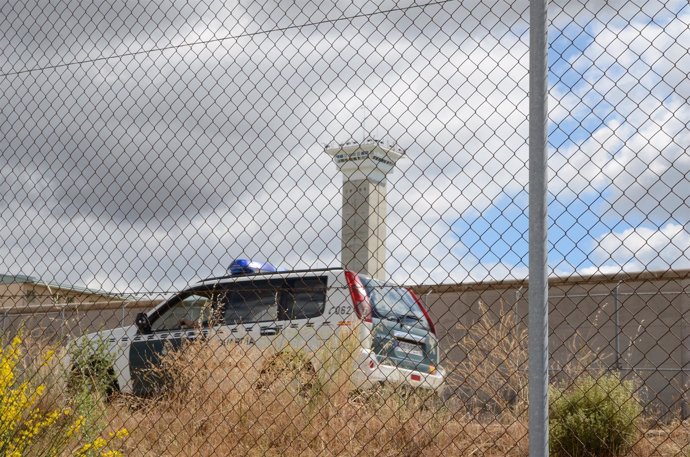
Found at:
(143, 323)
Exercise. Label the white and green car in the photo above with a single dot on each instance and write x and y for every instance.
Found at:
(300, 309)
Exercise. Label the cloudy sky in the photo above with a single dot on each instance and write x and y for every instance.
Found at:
(147, 144)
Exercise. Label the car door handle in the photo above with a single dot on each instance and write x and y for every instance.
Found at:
(269, 331)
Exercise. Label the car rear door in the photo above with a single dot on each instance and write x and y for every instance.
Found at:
(251, 310)
(274, 313)
(302, 305)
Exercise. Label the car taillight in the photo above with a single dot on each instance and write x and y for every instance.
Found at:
(432, 327)
(360, 299)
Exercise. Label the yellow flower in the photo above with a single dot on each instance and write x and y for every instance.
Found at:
(111, 453)
(16, 341)
(99, 443)
(48, 356)
(21, 419)
(76, 426)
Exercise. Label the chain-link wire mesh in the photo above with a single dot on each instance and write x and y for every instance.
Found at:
(375, 154)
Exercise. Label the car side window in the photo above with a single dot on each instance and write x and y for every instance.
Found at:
(305, 298)
(251, 301)
(189, 311)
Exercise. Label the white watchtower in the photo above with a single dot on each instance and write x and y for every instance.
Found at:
(365, 166)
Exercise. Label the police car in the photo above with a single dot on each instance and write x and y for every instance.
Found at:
(301, 309)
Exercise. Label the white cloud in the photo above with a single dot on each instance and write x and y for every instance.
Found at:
(154, 169)
(638, 155)
(642, 249)
(644, 170)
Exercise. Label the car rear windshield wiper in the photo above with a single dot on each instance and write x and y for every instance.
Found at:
(402, 317)
(387, 317)
(399, 318)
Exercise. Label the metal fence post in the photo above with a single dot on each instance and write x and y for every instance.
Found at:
(63, 324)
(538, 320)
(684, 358)
(617, 323)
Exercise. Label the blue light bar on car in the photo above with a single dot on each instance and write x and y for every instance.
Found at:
(240, 267)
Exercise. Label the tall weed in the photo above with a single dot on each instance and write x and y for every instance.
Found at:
(493, 372)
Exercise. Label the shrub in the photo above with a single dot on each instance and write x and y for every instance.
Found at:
(594, 417)
(91, 368)
(29, 428)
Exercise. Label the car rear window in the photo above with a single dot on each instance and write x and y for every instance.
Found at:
(390, 301)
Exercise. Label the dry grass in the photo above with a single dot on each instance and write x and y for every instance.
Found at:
(671, 439)
(228, 401)
(234, 399)
(227, 411)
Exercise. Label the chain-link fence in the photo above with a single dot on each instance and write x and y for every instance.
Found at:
(301, 228)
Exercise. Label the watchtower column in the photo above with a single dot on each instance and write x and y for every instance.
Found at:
(364, 167)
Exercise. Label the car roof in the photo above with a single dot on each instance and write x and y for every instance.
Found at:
(268, 275)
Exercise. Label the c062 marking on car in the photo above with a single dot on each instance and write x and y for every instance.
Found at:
(342, 310)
